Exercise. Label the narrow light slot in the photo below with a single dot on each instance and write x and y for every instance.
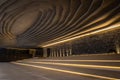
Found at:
(66, 71)
(87, 34)
(81, 65)
(82, 60)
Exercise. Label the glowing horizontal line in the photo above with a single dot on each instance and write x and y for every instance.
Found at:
(97, 20)
(17, 48)
(81, 65)
(87, 34)
(66, 71)
(84, 60)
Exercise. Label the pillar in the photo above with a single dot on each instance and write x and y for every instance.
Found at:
(67, 52)
(33, 52)
(63, 52)
(44, 52)
(57, 53)
(60, 52)
(52, 53)
(117, 44)
(70, 51)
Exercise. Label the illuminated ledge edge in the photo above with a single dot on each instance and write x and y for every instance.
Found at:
(87, 34)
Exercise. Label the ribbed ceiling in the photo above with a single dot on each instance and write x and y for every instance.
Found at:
(30, 23)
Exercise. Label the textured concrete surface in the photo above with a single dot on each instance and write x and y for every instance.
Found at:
(10, 71)
(53, 68)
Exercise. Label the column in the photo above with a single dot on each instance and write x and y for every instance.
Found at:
(117, 44)
(57, 51)
(33, 52)
(70, 51)
(67, 52)
(60, 52)
(52, 54)
(63, 52)
(44, 52)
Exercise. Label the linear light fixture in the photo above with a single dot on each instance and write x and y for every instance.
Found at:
(66, 71)
(48, 60)
(114, 68)
(87, 34)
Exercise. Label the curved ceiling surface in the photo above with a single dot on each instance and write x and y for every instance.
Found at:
(32, 23)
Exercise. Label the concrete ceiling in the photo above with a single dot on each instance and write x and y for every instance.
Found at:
(33, 23)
